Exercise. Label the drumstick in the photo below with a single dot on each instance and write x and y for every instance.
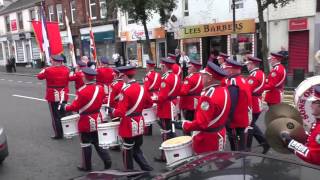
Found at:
(61, 100)
(172, 118)
(108, 103)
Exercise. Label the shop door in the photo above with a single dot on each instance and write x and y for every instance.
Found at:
(161, 51)
(28, 52)
(145, 55)
(298, 51)
(20, 53)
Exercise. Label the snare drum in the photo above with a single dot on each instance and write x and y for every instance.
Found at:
(108, 134)
(70, 125)
(150, 115)
(178, 148)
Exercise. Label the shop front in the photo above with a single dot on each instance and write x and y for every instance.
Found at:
(136, 51)
(198, 41)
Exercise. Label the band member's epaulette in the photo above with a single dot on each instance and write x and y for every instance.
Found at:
(165, 75)
(126, 87)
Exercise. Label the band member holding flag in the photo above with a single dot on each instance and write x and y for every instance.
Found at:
(77, 76)
(57, 78)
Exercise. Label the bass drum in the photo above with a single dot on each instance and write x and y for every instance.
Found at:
(302, 102)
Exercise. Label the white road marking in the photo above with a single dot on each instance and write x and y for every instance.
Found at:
(29, 82)
(2, 79)
(27, 97)
(19, 81)
(39, 83)
(10, 80)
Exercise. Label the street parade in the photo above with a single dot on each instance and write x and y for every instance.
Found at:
(175, 102)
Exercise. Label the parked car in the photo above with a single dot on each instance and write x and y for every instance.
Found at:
(3, 145)
(223, 166)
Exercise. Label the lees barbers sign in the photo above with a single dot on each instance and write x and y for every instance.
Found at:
(217, 29)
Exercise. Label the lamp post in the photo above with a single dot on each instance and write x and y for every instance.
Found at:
(234, 33)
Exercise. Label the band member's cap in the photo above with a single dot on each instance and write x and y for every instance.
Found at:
(316, 95)
(81, 63)
(92, 64)
(195, 63)
(253, 59)
(229, 63)
(57, 58)
(214, 70)
(127, 70)
(277, 55)
(104, 60)
(150, 63)
(89, 71)
(168, 61)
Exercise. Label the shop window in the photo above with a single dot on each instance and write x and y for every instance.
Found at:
(73, 11)
(103, 9)
(185, 7)
(7, 20)
(192, 48)
(20, 20)
(60, 14)
(132, 51)
(130, 20)
(93, 9)
(1, 52)
(51, 13)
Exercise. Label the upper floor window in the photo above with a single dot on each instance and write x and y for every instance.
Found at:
(51, 13)
(59, 14)
(93, 9)
(103, 9)
(7, 21)
(33, 14)
(73, 11)
(185, 7)
(20, 20)
(237, 3)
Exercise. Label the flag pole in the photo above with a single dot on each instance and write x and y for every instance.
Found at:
(92, 43)
(45, 43)
(71, 46)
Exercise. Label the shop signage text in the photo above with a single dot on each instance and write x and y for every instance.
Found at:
(135, 35)
(217, 29)
(298, 24)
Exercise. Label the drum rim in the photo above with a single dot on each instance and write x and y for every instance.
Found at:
(189, 141)
(69, 117)
(109, 124)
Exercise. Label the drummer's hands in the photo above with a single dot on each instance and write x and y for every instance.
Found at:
(285, 137)
(62, 106)
(154, 98)
(110, 109)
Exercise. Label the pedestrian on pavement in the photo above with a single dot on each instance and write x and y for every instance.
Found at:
(78, 75)
(85, 59)
(240, 115)
(183, 61)
(57, 78)
(133, 99)
(88, 103)
(12, 63)
(256, 81)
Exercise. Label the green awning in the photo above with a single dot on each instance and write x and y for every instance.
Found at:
(99, 37)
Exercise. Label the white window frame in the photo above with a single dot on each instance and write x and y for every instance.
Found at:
(59, 11)
(90, 10)
(129, 20)
(73, 10)
(185, 6)
(51, 12)
(103, 16)
(20, 28)
(8, 28)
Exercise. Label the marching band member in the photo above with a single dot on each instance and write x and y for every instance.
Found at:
(88, 103)
(77, 77)
(115, 88)
(133, 99)
(208, 126)
(169, 89)
(276, 80)
(190, 90)
(256, 81)
(310, 151)
(104, 76)
(222, 58)
(152, 85)
(57, 78)
(241, 105)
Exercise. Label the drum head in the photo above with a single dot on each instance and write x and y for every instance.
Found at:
(181, 140)
(74, 116)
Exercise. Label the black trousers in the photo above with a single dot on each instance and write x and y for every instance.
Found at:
(237, 138)
(255, 132)
(132, 150)
(86, 140)
(56, 116)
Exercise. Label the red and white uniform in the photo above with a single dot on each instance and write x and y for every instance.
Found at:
(275, 84)
(104, 77)
(88, 103)
(77, 77)
(256, 80)
(209, 133)
(116, 87)
(152, 81)
(169, 90)
(57, 78)
(190, 91)
(132, 101)
(242, 115)
(177, 70)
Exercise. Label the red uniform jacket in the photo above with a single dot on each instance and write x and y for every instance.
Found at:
(152, 81)
(169, 90)
(256, 80)
(177, 70)
(190, 91)
(77, 77)
(313, 144)
(88, 103)
(275, 84)
(242, 114)
(116, 88)
(132, 101)
(57, 78)
(211, 115)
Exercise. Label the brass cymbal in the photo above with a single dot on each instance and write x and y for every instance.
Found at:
(279, 125)
(282, 110)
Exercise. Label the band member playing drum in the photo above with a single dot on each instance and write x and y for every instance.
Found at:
(241, 105)
(57, 78)
(208, 126)
(190, 90)
(256, 81)
(133, 99)
(152, 85)
(275, 81)
(77, 77)
(309, 152)
(169, 89)
(88, 103)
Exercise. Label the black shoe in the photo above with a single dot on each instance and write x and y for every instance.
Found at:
(55, 137)
(80, 168)
(266, 148)
(159, 159)
(147, 168)
(107, 165)
(115, 148)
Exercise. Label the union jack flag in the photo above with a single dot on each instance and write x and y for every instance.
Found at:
(93, 51)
